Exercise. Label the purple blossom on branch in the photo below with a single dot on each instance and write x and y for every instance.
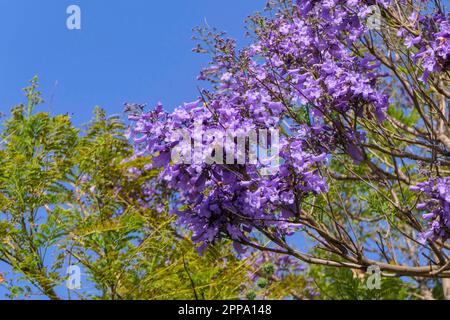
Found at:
(437, 207)
(300, 62)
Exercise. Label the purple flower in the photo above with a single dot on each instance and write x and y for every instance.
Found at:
(298, 62)
(437, 191)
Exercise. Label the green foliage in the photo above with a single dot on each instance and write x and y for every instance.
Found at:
(35, 160)
(347, 284)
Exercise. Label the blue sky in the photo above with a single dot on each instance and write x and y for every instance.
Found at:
(126, 51)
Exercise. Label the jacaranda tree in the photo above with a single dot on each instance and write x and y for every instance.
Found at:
(351, 97)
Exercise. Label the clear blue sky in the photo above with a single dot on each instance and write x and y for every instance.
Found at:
(134, 50)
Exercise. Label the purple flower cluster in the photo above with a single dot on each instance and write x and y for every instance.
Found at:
(301, 76)
(219, 199)
(308, 59)
(429, 37)
(437, 206)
